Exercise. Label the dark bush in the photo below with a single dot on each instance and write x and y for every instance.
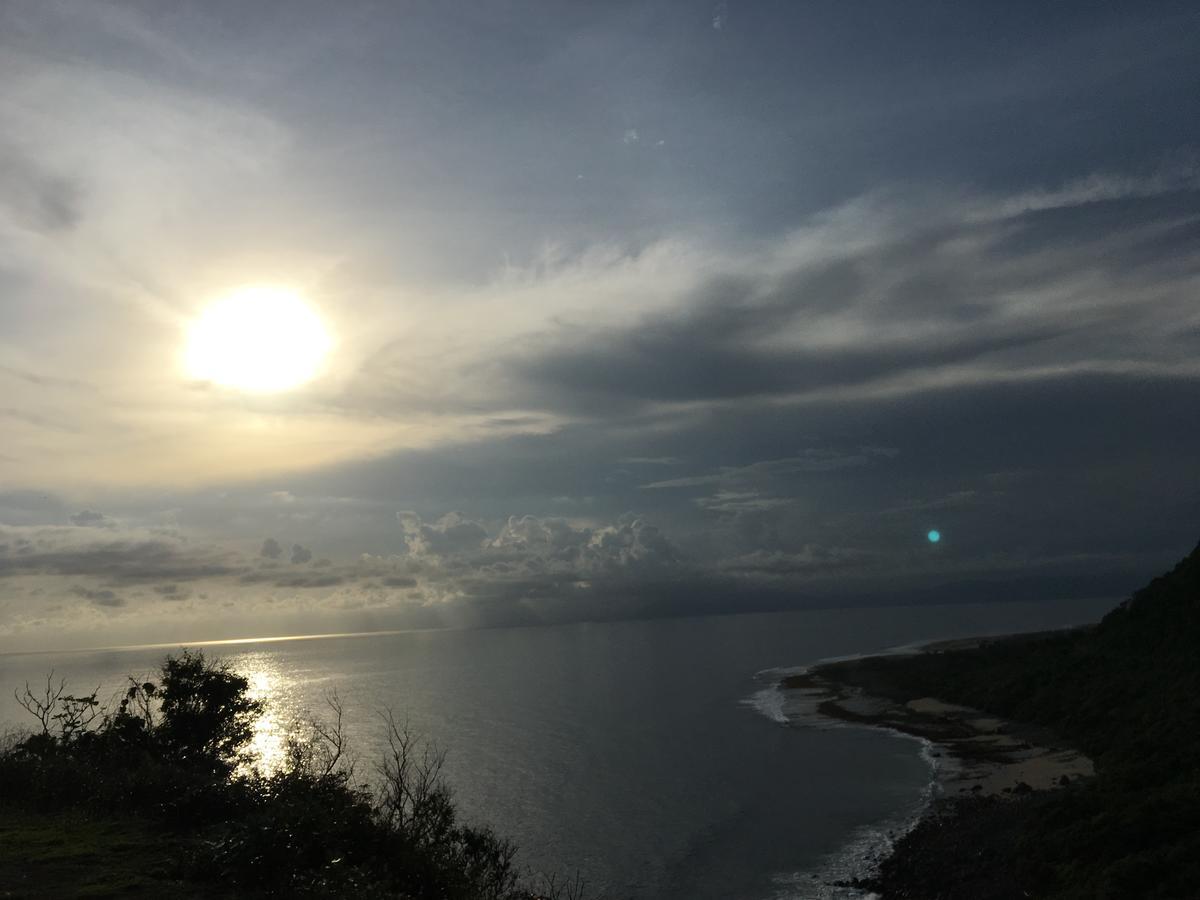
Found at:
(170, 751)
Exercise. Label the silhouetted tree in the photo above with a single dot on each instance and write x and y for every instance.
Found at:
(207, 714)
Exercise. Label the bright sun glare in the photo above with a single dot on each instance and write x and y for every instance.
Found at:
(259, 339)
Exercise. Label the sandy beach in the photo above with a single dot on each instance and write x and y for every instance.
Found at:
(978, 754)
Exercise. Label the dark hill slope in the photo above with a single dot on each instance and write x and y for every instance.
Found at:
(1127, 692)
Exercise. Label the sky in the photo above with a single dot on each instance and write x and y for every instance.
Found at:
(632, 309)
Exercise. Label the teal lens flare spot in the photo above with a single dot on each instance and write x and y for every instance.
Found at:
(934, 536)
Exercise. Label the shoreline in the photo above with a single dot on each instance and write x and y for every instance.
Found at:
(992, 756)
(974, 756)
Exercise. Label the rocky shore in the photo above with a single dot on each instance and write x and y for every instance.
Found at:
(986, 755)
(991, 773)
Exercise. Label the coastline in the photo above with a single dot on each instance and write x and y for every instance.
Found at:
(990, 755)
(977, 759)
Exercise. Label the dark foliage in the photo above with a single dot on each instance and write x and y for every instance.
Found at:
(1127, 692)
(206, 715)
(170, 751)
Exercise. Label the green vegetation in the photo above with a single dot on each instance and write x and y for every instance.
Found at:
(69, 855)
(1127, 692)
(156, 797)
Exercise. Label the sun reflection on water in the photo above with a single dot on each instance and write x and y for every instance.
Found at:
(268, 683)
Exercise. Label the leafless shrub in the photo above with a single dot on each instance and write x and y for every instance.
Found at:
(55, 709)
(321, 749)
(43, 707)
(551, 887)
(76, 715)
(489, 863)
(413, 797)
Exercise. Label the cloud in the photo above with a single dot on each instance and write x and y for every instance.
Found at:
(629, 544)
(809, 560)
(24, 507)
(527, 546)
(672, 334)
(524, 569)
(891, 294)
(740, 502)
(1098, 187)
(454, 565)
(35, 198)
(452, 571)
(898, 293)
(90, 518)
(100, 597)
(756, 487)
(121, 556)
(313, 580)
(954, 500)
(452, 533)
(815, 459)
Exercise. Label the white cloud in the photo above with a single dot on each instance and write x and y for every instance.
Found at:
(452, 533)
(720, 15)
(741, 502)
(815, 459)
(1095, 188)
(936, 272)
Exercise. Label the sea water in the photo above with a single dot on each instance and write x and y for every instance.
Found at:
(656, 759)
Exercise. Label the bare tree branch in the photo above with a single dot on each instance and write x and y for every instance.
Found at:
(414, 798)
(43, 708)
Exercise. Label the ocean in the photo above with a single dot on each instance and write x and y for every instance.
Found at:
(653, 758)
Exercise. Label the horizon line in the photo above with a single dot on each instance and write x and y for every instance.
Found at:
(216, 642)
(272, 639)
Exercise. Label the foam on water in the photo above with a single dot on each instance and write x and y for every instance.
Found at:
(770, 700)
(860, 856)
(868, 845)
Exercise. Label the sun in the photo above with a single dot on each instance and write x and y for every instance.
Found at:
(259, 338)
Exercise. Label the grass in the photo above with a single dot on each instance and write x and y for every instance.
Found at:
(72, 854)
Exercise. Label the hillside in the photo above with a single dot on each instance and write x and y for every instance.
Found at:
(1127, 692)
